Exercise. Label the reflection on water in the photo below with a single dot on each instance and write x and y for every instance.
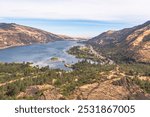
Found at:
(41, 54)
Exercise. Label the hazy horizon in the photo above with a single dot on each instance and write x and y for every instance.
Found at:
(79, 18)
(74, 28)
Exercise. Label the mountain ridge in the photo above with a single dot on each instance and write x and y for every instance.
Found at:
(12, 34)
(133, 43)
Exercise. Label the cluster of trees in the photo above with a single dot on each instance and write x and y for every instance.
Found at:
(83, 73)
(84, 53)
(12, 71)
(146, 38)
(144, 84)
(136, 69)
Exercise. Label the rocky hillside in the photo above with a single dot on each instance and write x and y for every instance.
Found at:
(16, 35)
(115, 85)
(128, 44)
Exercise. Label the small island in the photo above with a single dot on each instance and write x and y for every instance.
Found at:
(54, 59)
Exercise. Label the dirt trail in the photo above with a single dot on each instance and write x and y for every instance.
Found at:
(85, 94)
(12, 81)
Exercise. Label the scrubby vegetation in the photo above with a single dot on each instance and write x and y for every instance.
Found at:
(83, 52)
(146, 38)
(144, 84)
(23, 75)
(17, 77)
(136, 69)
(115, 54)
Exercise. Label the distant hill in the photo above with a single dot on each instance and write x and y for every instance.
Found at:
(12, 34)
(128, 44)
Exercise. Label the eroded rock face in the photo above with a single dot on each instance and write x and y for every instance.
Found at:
(17, 35)
(115, 89)
(41, 92)
(51, 94)
(132, 42)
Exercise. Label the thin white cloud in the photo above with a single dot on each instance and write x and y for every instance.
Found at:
(119, 10)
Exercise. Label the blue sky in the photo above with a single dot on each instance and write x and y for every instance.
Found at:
(78, 28)
(85, 18)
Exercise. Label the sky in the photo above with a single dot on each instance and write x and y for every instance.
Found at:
(83, 18)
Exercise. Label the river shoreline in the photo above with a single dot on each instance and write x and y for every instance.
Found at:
(19, 45)
(40, 54)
